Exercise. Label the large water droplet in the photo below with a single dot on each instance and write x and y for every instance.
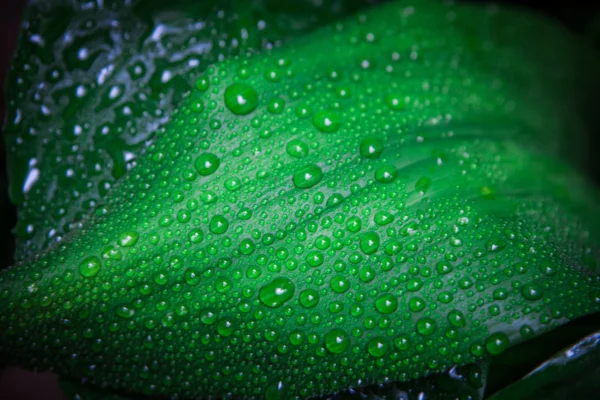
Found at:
(241, 98)
(89, 267)
(426, 326)
(309, 298)
(277, 292)
(337, 341)
(206, 164)
(371, 147)
(369, 242)
(218, 224)
(386, 303)
(386, 174)
(339, 284)
(297, 148)
(377, 346)
(128, 238)
(457, 318)
(327, 121)
(531, 291)
(496, 343)
(307, 176)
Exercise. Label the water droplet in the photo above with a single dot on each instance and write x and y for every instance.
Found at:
(192, 276)
(128, 238)
(161, 278)
(339, 284)
(241, 98)
(414, 284)
(495, 244)
(297, 148)
(496, 343)
(402, 342)
(416, 304)
(395, 102)
(225, 327)
(531, 291)
(314, 258)
(426, 326)
(527, 332)
(218, 224)
(369, 242)
(308, 176)
(371, 147)
(500, 294)
(208, 316)
(366, 274)
(337, 341)
(548, 268)
(353, 224)
(247, 247)
(377, 346)
(445, 297)
(443, 267)
(233, 184)
(309, 298)
(276, 106)
(383, 218)
(223, 285)
(296, 338)
(386, 303)
(89, 266)
(386, 174)
(207, 164)
(202, 83)
(457, 318)
(125, 312)
(277, 292)
(393, 248)
(327, 121)
(195, 235)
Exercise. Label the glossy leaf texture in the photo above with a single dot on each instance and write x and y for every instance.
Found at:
(377, 201)
(459, 382)
(91, 82)
(572, 372)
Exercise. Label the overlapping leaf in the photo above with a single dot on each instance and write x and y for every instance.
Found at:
(91, 82)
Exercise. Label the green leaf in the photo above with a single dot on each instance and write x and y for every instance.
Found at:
(572, 372)
(91, 82)
(460, 382)
(390, 202)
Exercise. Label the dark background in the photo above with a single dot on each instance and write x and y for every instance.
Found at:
(17, 384)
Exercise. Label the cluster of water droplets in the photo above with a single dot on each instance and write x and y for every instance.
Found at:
(91, 83)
